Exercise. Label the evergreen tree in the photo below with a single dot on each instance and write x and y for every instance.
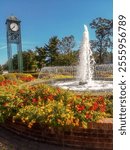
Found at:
(52, 51)
(41, 56)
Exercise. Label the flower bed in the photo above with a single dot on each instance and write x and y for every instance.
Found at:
(35, 109)
(52, 106)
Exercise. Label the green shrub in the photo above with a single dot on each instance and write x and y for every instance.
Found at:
(24, 77)
(109, 105)
(10, 76)
(21, 75)
(35, 75)
(2, 78)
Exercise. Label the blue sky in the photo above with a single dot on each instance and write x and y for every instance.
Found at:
(42, 19)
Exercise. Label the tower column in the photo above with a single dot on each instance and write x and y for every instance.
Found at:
(20, 58)
(10, 61)
(14, 37)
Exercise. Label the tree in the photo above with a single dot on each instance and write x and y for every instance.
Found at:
(1, 69)
(67, 59)
(15, 62)
(103, 30)
(41, 55)
(52, 51)
(67, 56)
(67, 44)
(29, 60)
(5, 66)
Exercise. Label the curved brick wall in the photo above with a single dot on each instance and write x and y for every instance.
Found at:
(98, 136)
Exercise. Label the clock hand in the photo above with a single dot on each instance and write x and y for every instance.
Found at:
(13, 27)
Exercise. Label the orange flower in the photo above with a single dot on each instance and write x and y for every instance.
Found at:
(58, 90)
(88, 116)
(50, 97)
(78, 96)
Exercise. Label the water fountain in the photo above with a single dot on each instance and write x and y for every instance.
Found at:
(85, 69)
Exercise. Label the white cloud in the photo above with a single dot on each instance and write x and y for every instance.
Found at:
(3, 47)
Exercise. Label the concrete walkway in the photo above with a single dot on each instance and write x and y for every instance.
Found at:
(11, 141)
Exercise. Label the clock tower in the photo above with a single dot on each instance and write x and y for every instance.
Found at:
(14, 37)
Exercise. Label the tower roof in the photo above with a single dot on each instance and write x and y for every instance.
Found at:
(13, 18)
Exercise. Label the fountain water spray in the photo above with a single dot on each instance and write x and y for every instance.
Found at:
(85, 68)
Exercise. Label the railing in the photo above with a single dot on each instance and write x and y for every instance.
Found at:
(103, 71)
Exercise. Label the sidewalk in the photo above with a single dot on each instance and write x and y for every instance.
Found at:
(11, 141)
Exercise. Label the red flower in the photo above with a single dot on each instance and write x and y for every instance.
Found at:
(78, 96)
(7, 82)
(45, 97)
(34, 100)
(80, 107)
(101, 99)
(102, 108)
(95, 106)
(5, 104)
(88, 116)
(26, 79)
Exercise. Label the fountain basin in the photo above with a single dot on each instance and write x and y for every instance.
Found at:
(95, 85)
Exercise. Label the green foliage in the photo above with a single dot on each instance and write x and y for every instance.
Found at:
(103, 30)
(107, 57)
(109, 105)
(2, 78)
(1, 69)
(24, 77)
(52, 51)
(19, 75)
(41, 56)
(35, 75)
(67, 44)
(10, 76)
(15, 62)
(67, 59)
(29, 60)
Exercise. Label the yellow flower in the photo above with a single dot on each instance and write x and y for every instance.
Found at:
(23, 120)
(13, 119)
(30, 125)
(26, 119)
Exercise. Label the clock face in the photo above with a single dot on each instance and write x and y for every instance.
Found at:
(14, 27)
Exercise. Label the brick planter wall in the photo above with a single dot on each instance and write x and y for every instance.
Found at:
(98, 136)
